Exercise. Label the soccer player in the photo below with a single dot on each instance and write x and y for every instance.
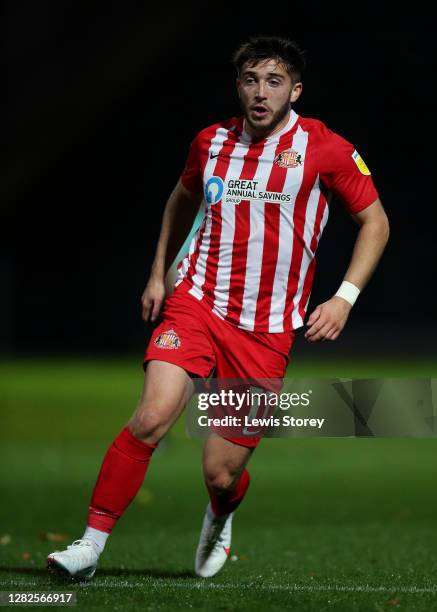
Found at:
(243, 288)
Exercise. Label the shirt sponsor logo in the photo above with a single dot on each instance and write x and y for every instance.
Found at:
(360, 163)
(213, 190)
(168, 340)
(233, 191)
(288, 159)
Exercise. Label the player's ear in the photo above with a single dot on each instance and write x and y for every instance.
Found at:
(296, 90)
(238, 84)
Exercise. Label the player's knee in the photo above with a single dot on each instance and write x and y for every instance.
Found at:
(147, 424)
(220, 482)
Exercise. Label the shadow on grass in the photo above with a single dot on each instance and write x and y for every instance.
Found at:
(118, 573)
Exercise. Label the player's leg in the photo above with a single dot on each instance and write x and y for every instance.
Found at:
(242, 357)
(227, 480)
(167, 388)
(224, 472)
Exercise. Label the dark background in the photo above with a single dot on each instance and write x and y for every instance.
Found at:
(102, 105)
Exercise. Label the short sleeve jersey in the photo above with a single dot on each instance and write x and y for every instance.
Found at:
(266, 205)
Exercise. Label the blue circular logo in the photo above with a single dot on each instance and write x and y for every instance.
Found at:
(213, 190)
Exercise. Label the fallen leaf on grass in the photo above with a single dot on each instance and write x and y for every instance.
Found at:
(5, 539)
(26, 556)
(53, 537)
(144, 496)
(395, 601)
(402, 514)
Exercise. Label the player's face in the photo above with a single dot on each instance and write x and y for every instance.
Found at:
(266, 92)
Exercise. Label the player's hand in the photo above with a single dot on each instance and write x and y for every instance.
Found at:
(153, 299)
(327, 320)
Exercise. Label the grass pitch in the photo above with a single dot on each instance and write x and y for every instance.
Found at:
(342, 524)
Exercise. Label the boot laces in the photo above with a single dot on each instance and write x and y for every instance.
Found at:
(80, 543)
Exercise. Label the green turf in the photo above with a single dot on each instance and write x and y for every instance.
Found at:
(339, 524)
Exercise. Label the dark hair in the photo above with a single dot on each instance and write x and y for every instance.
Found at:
(259, 48)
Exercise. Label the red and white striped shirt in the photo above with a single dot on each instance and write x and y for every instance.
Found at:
(266, 205)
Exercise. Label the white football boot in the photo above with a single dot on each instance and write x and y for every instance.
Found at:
(214, 543)
(79, 560)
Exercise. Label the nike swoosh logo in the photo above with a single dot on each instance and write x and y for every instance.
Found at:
(246, 432)
(213, 156)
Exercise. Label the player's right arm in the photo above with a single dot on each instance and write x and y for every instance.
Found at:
(179, 214)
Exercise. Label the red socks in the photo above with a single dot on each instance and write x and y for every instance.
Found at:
(123, 469)
(227, 503)
(122, 473)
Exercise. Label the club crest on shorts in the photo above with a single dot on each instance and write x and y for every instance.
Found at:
(168, 340)
(288, 159)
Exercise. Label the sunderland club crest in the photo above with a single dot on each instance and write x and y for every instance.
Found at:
(288, 159)
(168, 340)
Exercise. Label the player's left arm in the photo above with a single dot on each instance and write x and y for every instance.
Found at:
(327, 321)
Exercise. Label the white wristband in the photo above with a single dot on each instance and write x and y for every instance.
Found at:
(348, 292)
